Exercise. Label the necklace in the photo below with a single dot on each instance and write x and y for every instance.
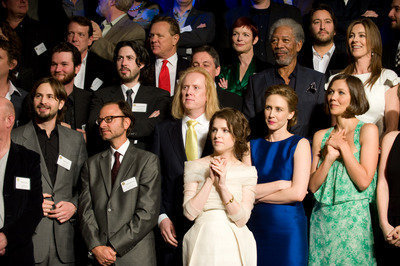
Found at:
(133, 9)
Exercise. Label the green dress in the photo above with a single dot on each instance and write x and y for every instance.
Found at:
(340, 226)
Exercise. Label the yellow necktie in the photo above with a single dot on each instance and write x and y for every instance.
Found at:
(191, 148)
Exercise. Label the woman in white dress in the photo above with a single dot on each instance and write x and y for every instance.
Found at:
(219, 194)
(365, 47)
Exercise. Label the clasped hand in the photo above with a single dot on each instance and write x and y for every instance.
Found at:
(62, 211)
(218, 171)
(335, 141)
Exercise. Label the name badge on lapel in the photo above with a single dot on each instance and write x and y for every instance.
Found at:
(128, 184)
(139, 107)
(64, 162)
(23, 183)
(40, 49)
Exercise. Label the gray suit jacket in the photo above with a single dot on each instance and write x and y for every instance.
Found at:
(123, 30)
(123, 220)
(72, 147)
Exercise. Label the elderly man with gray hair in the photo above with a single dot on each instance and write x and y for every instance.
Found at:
(286, 37)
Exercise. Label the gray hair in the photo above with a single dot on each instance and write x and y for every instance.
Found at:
(297, 29)
(123, 5)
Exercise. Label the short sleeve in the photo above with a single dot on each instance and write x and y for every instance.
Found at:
(389, 78)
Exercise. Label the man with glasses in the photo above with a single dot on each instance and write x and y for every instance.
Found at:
(149, 105)
(121, 190)
(62, 152)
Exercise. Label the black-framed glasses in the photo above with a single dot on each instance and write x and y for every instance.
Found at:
(108, 119)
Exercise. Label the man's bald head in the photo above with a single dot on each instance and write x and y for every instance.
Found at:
(7, 112)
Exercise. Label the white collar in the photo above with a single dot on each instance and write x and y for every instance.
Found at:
(173, 60)
(122, 150)
(134, 88)
(12, 89)
(202, 120)
(329, 53)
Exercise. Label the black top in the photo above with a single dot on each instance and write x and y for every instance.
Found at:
(392, 176)
(49, 147)
(279, 80)
(261, 18)
(69, 116)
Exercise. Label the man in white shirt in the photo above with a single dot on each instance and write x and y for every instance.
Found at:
(194, 104)
(117, 27)
(164, 38)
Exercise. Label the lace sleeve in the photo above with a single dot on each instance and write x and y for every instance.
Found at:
(189, 192)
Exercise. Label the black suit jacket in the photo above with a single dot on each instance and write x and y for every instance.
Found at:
(197, 36)
(338, 62)
(168, 145)
(22, 208)
(311, 94)
(18, 99)
(82, 100)
(150, 78)
(155, 98)
(97, 67)
(389, 56)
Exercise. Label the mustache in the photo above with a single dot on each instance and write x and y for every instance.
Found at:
(42, 106)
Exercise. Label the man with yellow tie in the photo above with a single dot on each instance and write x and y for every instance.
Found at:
(176, 141)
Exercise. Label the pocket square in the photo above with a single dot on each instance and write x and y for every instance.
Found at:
(312, 88)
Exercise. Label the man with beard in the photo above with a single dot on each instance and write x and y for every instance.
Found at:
(391, 51)
(286, 38)
(322, 54)
(62, 154)
(149, 105)
(65, 65)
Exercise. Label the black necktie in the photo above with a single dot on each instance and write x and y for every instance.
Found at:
(129, 97)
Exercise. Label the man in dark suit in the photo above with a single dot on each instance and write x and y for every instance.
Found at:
(321, 54)
(117, 27)
(149, 104)
(65, 64)
(286, 40)
(21, 197)
(192, 109)
(197, 27)
(62, 154)
(120, 199)
(207, 57)
(391, 51)
(264, 13)
(95, 72)
(166, 66)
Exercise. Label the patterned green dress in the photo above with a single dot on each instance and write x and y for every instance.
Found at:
(340, 226)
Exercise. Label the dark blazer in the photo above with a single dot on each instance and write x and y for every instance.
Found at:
(123, 220)
(17, 100)
(198, 36)
(310, 91)
(389, 56)
(150, 78)
(82, 100)
(22, 208)
(97, 67)
(262, 49)
(338, 62)
(123, 30)
(155, 98)
(229, 99)
(71, 146)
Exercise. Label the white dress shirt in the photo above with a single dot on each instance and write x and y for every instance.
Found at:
(79, 80)
(172, 65)
(12, 89)
(321, 63)
(134, 89)
(122, 150)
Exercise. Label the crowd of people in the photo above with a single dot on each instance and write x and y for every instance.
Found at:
(191, 132)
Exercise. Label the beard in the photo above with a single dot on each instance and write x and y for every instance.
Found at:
(284, 60)
(323, 41)
(41, 118)
(127, 79)
(67, 79)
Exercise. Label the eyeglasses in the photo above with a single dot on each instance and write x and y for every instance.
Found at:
(107, 119)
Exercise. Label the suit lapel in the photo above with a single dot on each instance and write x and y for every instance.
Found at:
(31, 142)
(64, 149)
(10, 169)
(127, 162)
(105, 169)
(141, 96)
(175, 135)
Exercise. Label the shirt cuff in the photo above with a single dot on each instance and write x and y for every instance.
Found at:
(161, 217)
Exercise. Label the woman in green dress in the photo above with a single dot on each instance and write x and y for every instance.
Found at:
(343, 179)
(235, 77)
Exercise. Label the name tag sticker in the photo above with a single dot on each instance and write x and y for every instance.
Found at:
(40, 49)
(128, 184)
(23, 183)
(96, 84)
(187, 28)
(64, 162)
(139, 107)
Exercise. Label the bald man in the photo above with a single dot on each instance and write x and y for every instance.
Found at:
(20, 194)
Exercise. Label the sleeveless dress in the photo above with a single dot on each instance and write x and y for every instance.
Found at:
(215, 239)
(280, 230)
(340, 226)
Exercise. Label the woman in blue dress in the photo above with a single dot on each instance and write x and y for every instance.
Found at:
(283, 163)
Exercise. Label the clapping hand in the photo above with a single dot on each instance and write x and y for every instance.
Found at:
(218, 170)
(337, 139)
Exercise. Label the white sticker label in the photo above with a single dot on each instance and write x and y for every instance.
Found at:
(64, 162)
(40, 49)
(128, 184)
(96, 84)
(139, 107)
(23, 183)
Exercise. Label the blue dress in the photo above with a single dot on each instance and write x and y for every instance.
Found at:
(280, 230)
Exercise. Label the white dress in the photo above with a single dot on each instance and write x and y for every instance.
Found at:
(217, 238)
(376, 96)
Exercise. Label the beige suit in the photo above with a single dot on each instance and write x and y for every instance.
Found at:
(124, 30)
(71, 146)
(124, 220)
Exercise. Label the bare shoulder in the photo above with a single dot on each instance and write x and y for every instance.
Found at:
(368, 130)
(389, 138)
(318, 136)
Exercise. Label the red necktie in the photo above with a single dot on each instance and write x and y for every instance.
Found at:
(163, 80)
(115, 168)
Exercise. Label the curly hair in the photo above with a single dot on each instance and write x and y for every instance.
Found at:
(238, 126)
